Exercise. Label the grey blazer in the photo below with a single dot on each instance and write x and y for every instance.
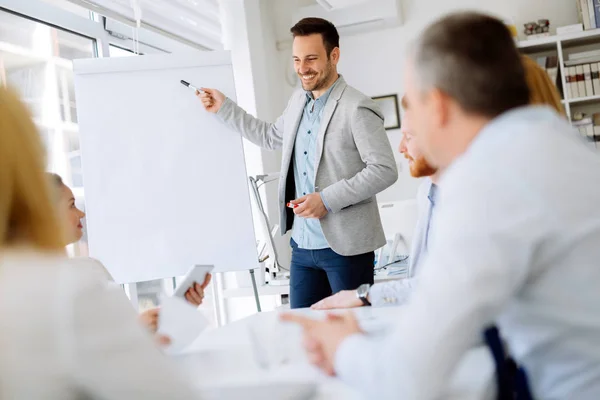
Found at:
(354, 163)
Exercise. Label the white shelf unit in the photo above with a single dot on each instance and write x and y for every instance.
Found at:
(562, 45)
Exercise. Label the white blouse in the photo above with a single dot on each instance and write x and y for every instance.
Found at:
(65, 334)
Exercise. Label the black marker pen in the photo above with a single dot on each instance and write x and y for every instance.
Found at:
(194, 88)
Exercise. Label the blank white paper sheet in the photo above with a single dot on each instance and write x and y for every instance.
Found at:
(165, 182)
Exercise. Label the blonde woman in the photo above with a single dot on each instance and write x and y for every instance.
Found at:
(541, 89)
(64, 334)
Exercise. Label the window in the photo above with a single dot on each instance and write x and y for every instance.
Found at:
(36, 59)
(39, 39)
(116, 51)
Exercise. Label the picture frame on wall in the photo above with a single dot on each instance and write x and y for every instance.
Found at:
(391, 113)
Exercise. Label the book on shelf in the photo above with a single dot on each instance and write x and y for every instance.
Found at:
(592, 14)
(584, 13)
(581, 61)
(561, 30)
(580, 81)
(573, 82)
(584, 54)
(595, 67)
(568, 77)
(588, 13)
(587, 74)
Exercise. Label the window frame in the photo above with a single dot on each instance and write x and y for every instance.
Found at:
(94, 28)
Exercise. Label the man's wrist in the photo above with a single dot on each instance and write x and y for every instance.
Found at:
(362, 293)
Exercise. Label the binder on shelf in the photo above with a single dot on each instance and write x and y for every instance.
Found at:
(581, 61)
(568, 94)
(579, 13)
(587, 74)
(597, 12)
(585, 14)
(552, 68)
(596, 78)
(573, 84)
(580, 81)
(592, 14)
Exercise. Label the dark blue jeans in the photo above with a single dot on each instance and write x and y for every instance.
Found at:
(316, 274)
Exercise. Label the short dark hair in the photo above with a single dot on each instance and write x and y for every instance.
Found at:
(313, 25)
(472, 57)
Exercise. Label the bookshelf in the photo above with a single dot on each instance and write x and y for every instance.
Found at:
(583, 100)
(580, 98)
(561, 46)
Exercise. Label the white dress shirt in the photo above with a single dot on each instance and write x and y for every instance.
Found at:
(397, 291)
(66, 334)
(516, 242)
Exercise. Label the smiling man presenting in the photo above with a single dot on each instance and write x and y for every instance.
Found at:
(336, 158)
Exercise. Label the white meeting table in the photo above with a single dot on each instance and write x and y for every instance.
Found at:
(260, 356)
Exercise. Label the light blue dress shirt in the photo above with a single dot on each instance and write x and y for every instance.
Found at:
(307, 232)
(397, 291)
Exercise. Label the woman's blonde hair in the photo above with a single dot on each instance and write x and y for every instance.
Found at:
(541, 88)
(27, 214)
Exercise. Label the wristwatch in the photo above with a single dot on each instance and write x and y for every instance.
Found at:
(362, 292)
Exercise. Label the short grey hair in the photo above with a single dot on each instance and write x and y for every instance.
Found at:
(472, 58)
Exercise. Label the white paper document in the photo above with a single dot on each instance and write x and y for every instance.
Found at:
(181, 322)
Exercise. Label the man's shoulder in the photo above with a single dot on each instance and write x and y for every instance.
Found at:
(351, 99)
(352, 95)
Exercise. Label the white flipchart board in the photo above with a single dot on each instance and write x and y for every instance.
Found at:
(165, 182)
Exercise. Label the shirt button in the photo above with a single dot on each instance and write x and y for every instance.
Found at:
(305, 153)
(305, 174)
(308, 132)
(304, 194)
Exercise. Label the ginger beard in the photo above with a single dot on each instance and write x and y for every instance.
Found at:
(419, 167)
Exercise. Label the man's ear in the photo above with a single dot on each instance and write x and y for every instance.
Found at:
(440, 107)
(335, 55)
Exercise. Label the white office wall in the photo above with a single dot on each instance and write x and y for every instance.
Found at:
(249, 35)
(373, 62)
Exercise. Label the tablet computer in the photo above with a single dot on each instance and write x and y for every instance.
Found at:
(196, 274)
